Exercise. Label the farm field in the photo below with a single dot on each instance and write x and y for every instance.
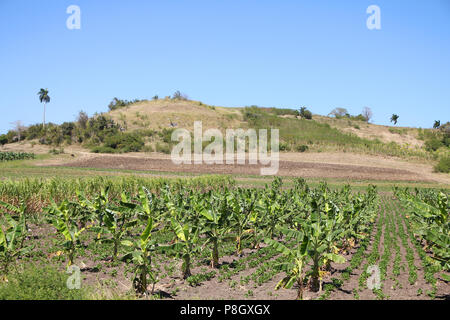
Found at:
(206, 237)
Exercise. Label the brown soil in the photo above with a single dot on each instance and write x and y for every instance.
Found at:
(286, 168)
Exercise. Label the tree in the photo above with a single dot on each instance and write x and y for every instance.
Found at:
(179, 96)
(367, 113)
(82, 119)
(339, 112)
(3, 139)
(19, 127)
(44, 98)
(394, 118)
(305, 113)
(437, 124)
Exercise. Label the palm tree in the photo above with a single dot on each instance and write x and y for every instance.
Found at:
(394, 118)
(44, 98)
(437, 124)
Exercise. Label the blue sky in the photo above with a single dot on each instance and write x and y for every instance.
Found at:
(281, 53)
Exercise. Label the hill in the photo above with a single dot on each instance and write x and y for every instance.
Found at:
(146, 126)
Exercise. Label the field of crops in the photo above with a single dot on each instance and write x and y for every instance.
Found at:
(10, 156)
(205, 238)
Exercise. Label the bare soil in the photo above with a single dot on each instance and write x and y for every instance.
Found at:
(307, 169)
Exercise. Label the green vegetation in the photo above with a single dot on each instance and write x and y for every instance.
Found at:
(10, 156)
(39, 283)
(118, 103)
(295, 133)
(443, 165)
(149, 226)
(428, 216)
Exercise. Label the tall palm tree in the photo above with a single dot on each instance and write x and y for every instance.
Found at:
(394, 118)
(44, 98)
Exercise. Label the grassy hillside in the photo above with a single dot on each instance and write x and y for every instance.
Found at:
(146, 126)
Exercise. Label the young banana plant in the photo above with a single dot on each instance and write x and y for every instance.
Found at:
(139, 254)
(118, 221)
(242, 205)
(64, 220)
(296, 260)
(215, 227)
(12, 237)
(186, 244)
(322, 236)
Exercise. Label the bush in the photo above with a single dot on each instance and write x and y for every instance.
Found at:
(39, 283)
(443, 165)
(3, 139)
(56, 151)
(302, 148)
(102, 149)
(305, 113)
(433, 144)
(124, 142)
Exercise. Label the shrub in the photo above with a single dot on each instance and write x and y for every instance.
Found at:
(3, 139)
(284, 146)
(56, 151)
(433, 144)
(124, 142)
(302, 148)
(443, 165)
(102, 149)
(179, 96)
(305, 113)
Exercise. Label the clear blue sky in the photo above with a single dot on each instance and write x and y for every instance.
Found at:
(280, 53)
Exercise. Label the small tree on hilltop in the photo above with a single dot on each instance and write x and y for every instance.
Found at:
(339, 112)
(305, 113)
(179, 96)
(394, 118)
(367, 113)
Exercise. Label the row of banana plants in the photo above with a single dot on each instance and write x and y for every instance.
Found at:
(10, 156)
(305, 225)
(427, 211)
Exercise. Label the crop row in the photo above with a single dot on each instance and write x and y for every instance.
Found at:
(304, 226)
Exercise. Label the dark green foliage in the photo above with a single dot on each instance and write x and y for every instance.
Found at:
(124, 142)
(118, 103)
(305, 113)
(302, 148)
(9, 156)
(3, 139)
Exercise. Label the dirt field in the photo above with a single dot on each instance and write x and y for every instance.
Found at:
(348, 167)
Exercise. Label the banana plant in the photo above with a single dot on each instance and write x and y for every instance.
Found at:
(322, 235)
(242, 205)
(140, 255)
(186, 244)
(95, 209)
(297, 258)
(20, 212)
(118, 221)
(12, 238)
(64, 220)
(215, 227)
